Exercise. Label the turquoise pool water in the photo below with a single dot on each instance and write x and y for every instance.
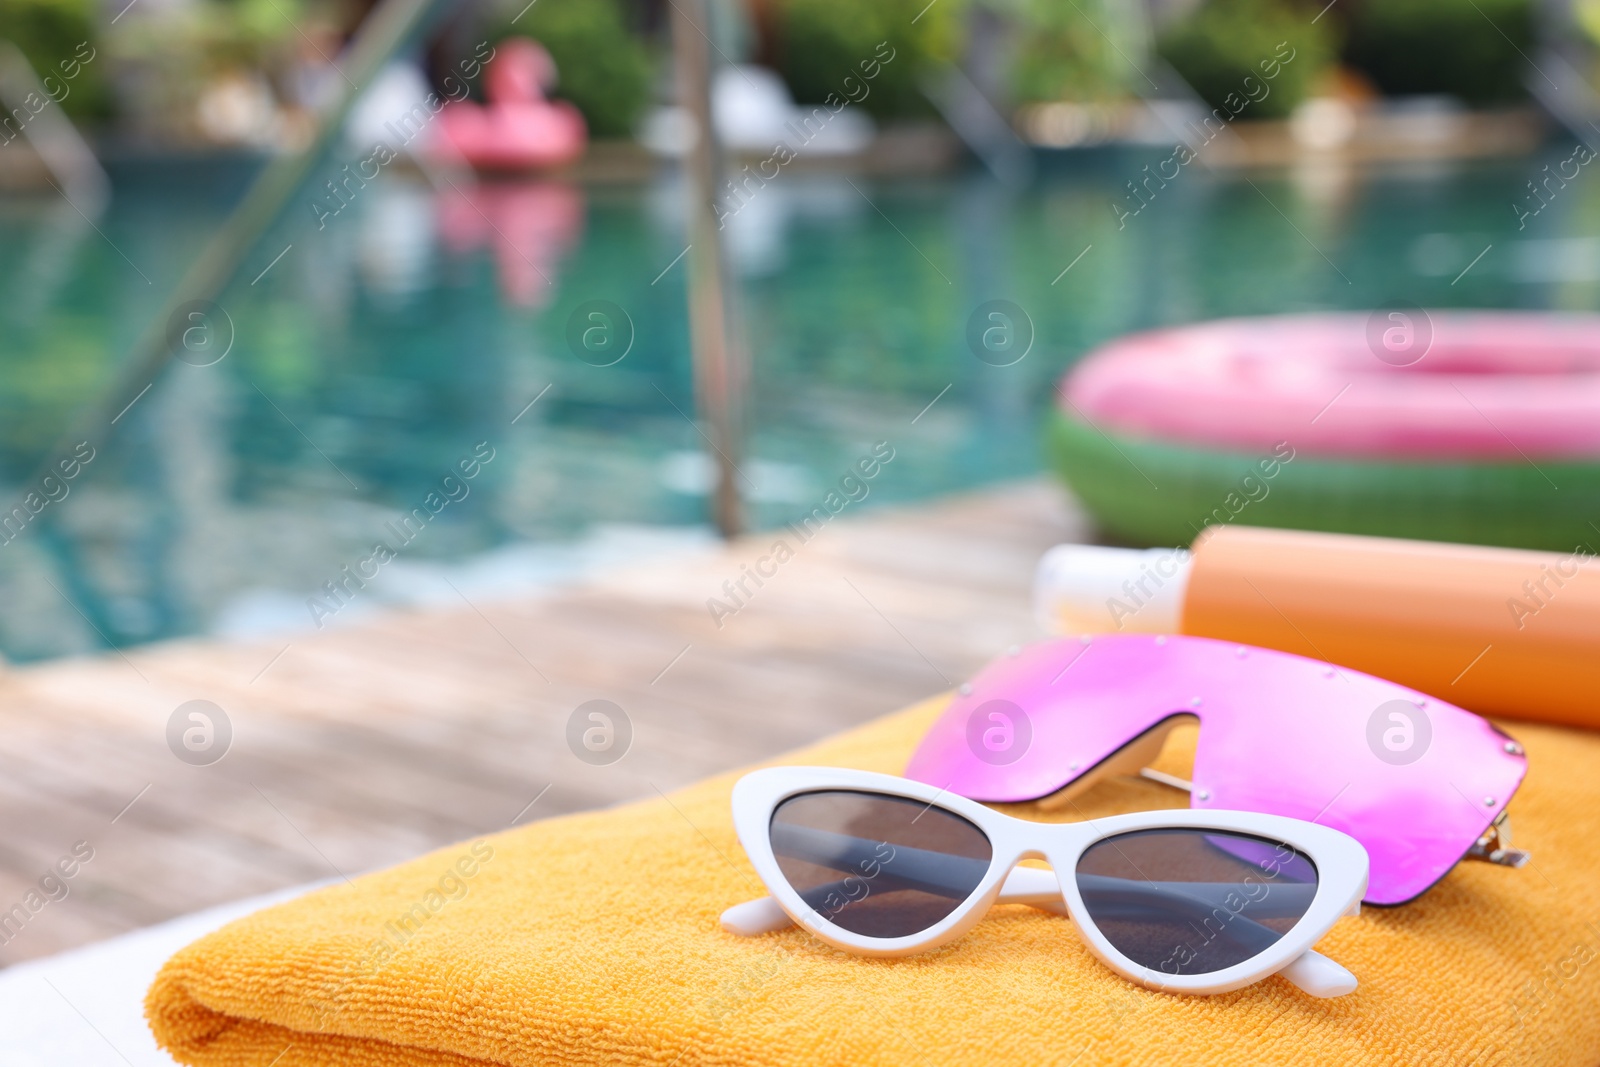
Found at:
(372, 356)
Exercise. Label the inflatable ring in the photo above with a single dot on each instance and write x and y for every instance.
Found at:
(1456, 426)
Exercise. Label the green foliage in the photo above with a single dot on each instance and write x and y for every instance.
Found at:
(823, 42)
(49, 32)
(604, 68)
(247, 34)
(1074, 51)
(1469, 48)
(189, 44)
(167, 57)
(1586, 13)
(1226, 41)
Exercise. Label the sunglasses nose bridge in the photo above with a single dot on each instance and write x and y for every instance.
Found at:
(1056, 845)
(1029, 852)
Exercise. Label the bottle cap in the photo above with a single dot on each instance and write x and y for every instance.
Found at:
(1096, 589)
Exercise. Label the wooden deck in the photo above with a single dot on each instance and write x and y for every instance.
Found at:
(356, 748)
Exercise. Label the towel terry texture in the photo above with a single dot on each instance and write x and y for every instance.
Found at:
(593, 939)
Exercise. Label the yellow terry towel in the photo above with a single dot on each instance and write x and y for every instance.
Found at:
(594, 939)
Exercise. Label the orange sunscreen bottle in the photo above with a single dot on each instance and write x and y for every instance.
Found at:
(1496, 630)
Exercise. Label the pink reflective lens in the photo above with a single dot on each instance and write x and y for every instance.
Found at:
(1415, 780)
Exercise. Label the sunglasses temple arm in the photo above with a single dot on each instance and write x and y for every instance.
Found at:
(755, 917)
(1024, 885)
(1319, 976)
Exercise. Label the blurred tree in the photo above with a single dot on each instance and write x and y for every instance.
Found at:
(1473, 49)
(822, 42)
(167, 59)
(50, 33)
(1223, 42)
(1068, 52)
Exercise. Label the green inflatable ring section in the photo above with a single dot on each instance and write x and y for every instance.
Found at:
(1153, 493)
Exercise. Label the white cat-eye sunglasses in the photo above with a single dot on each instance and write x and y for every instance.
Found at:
(1184, 901)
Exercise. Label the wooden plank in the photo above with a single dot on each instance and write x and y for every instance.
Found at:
(364, 745)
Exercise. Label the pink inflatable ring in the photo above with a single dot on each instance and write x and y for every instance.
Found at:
(1478, 426)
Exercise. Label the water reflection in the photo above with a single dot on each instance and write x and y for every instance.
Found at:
(430, 315)
(396, 252)
(530, 227)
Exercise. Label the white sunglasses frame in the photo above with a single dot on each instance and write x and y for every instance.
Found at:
(1341, 863)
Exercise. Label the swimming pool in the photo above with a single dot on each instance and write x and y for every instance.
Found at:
(371, 352)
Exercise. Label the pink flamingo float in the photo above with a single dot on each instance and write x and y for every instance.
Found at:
(518, 129)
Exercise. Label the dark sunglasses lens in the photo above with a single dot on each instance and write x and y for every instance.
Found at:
(1194, 901)
(877, 865)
